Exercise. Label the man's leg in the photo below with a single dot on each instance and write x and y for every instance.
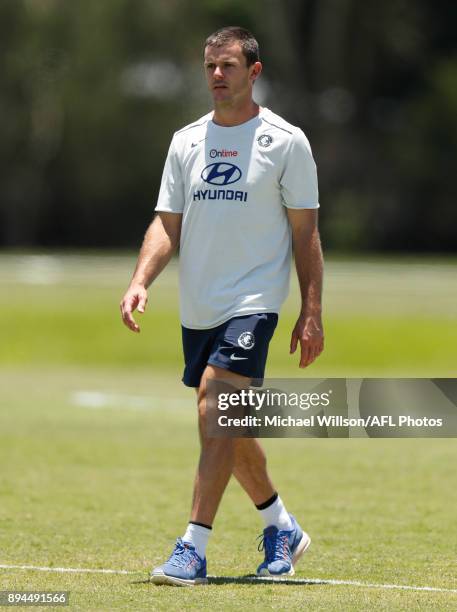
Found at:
(216, 454)
(284, 540)
(187, 564)
(250, 469)
(220, 457)
(245, 455)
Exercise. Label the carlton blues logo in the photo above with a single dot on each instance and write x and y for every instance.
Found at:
(246, 340)
(265, 140)
(221, 174)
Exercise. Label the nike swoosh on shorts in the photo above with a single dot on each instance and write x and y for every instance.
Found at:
(233, 357)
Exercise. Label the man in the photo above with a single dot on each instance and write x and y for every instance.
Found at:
(238, 188)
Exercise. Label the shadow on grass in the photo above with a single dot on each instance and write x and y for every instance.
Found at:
(253, 579)
(248, 579)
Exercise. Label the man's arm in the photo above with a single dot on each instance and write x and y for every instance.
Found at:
(309, 264)
(159, 244)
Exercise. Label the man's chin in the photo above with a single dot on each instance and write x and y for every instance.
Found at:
(221, 95)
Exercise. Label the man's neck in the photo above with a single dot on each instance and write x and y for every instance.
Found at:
(229, 116)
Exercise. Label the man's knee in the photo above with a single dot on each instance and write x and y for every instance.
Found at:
(207, 411)
(204, 407)
(215, 380)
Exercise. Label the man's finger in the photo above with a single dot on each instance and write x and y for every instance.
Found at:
(319, 348)
(293, 343)
(315, 353)
(129, 321)
(305, 352)
(142, 304)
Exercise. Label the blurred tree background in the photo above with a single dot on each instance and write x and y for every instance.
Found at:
(91, 92)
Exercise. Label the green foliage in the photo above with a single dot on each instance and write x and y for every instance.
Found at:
(90, 94)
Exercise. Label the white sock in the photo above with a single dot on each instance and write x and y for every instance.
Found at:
(277, 515)
(198, 536)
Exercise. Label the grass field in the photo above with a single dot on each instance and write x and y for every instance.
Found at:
(98, 445)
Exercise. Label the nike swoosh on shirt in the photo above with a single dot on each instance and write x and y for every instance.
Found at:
(194, 144)
(233, 357)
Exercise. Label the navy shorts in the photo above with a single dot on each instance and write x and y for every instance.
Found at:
(239, 345)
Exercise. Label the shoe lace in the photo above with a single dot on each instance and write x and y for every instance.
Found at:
(275, 545)
(182, 555)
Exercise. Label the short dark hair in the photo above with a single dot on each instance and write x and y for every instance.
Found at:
(230, 34)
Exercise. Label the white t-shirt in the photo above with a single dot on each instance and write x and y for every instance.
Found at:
(232, 185)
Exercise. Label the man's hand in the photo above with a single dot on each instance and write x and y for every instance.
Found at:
(160, 241)
(309, 332)
(136, 297)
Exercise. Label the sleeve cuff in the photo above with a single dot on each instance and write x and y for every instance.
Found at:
(302, 206)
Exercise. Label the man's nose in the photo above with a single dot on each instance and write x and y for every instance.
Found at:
(218, 73)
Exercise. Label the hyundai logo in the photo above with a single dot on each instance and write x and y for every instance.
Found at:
(221, 174)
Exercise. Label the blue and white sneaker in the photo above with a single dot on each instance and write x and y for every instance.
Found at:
(183, 568)
(282, 549)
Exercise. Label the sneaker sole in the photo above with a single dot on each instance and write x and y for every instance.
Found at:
(302, 547)
(161, 578)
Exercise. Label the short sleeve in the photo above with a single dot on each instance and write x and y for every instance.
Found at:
(171, 194)
(299, 178)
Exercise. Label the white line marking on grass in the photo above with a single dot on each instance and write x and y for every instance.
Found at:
(100, 399)
(71, 570)
(235, 579)
(39, 270)
(339, 582)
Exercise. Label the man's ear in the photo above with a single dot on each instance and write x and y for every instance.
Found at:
(256, 70)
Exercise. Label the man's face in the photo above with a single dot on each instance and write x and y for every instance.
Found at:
(229, 78)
